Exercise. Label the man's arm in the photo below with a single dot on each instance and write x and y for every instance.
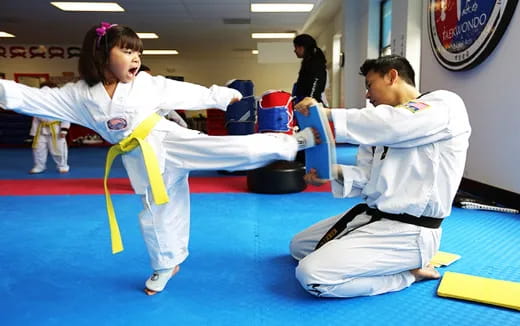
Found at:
(352, 178)
(390, 126)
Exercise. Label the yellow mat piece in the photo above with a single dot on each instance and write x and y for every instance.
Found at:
(442, 258)
(480, 289)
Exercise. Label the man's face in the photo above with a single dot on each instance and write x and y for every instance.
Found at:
(379, 88)
(299, 51)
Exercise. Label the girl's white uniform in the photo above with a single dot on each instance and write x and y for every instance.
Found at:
(179, 150)
(45, 143)
(410, 160)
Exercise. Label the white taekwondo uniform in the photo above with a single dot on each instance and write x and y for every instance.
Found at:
(47, 140)
(179, 150)
(410, 161)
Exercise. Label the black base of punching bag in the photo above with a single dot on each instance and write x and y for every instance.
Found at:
(280, 177)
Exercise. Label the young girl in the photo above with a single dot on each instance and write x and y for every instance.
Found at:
(49, 136)
(122, 106)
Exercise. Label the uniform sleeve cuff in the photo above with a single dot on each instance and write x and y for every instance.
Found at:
(339, 117)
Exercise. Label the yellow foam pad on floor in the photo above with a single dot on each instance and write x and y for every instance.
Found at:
(442, 258)
(480, 289)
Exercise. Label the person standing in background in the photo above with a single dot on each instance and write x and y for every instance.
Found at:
(312, 77)
(49, 136)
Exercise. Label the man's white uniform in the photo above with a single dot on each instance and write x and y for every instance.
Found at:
(410, 161)
(179, 150)
(47, 140)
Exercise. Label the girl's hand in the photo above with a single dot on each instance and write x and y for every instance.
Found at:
(234, 100)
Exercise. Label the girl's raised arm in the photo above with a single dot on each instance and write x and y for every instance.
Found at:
(54, 103)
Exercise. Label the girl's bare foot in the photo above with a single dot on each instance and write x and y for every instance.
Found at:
(428, 272)
(161, 281)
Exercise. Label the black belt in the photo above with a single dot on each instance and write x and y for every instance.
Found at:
(341, 224)
(425, 221)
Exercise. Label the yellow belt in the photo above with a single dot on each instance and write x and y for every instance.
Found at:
(152, 168)
(54, 137)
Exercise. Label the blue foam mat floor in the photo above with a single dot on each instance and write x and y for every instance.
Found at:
(56, 267)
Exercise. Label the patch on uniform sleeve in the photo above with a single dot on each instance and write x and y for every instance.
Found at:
(415, 106)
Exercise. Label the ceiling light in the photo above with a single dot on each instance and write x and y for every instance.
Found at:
(160, 52)
(273, 35)
(254, 51)
(281, 7)
(147, 35)
(88, 6)
(5, 34)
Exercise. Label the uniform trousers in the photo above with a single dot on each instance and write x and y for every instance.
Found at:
(165, 228)
(371, 259)
(59, 152)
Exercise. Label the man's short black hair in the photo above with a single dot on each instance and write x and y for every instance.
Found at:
(384, 64)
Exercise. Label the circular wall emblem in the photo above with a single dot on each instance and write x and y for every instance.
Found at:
(464, 32)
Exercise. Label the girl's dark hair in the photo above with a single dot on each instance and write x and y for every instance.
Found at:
(95, 52)
(383, 64)
(311, 49)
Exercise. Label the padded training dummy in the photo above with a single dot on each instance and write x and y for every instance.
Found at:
(241, 116)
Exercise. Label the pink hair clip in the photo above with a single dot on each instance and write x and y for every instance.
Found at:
(102, 30)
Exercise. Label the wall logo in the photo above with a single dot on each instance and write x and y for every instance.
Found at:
(464, 32)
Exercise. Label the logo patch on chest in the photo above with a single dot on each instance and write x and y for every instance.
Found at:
(117, 124)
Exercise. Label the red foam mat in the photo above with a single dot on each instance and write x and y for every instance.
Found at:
(120, 186)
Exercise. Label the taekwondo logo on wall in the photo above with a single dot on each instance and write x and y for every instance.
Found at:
(464, 32)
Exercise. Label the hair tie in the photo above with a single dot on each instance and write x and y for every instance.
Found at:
(102, 30)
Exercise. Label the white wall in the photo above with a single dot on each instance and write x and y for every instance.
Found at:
(208, 70)
(355, 44)
(406, 32)
(325, 39)
(490, 92)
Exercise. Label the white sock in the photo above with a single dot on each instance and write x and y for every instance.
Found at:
(305, 138)
(158, 280)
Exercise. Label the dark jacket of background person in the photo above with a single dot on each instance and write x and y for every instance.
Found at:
(313, 72)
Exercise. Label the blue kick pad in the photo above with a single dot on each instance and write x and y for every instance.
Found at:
(56, 267)
(322, 156)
